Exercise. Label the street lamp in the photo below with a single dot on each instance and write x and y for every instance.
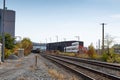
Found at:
(78, 37)
(50, 40)
(57, 38)
(3, 36)
(64, 39)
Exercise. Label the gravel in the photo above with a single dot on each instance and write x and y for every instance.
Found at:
(60, 69)
(25, 69)
(13, 57)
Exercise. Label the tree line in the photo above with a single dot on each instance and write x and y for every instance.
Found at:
(11, 46)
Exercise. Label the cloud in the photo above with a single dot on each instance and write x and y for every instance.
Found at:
(116, 16)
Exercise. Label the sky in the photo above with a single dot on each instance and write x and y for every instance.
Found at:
(44, 20)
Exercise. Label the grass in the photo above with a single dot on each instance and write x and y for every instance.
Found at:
(32, 68)
(56, 74)
(83, 56)
(18, 65)
(69, 54)
(73, 78)
(21, 78)
(59, 76)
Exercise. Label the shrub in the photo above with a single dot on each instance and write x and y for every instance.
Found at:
(117, 58)
(91, 52)
(8, 52)
(9, 44)
(104, 57)
(109, 57)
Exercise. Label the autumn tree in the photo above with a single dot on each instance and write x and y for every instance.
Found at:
(108, 42)
(26, 44)
(91, 51)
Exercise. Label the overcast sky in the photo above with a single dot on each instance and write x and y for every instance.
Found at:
(41, 20)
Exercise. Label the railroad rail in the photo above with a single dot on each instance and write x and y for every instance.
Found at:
(86, 72)
(93, 62)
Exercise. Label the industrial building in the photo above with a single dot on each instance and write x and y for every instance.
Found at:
(9, 22)
(60, 45)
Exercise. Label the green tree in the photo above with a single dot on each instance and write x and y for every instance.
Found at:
(26, 45)
(109, 54)
(9, 44)
(9, 41)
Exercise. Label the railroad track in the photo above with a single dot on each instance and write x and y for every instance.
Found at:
(86, 72)
(110, 68)
(93, 62)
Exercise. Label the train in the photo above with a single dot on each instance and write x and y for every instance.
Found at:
(75, 48)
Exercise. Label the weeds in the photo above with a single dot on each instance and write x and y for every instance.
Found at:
(32, 67)
(73, 78)
(59, 76)
(18, 65)
(21, 78)
(56, 74)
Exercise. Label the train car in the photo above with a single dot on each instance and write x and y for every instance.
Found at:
(75, 48)
(75, 43)
(71, 49)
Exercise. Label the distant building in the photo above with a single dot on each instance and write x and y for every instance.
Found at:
(38, 47)
(9, 22)
(60, 45)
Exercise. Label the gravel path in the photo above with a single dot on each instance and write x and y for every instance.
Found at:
(25, 69)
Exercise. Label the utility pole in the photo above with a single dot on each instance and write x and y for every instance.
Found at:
(47, 45)
(46, 40)
(103, 37)
(64, 44)
(3, 35)
(64, 39)
(57, 38)
(99, 46)
(50, 40)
